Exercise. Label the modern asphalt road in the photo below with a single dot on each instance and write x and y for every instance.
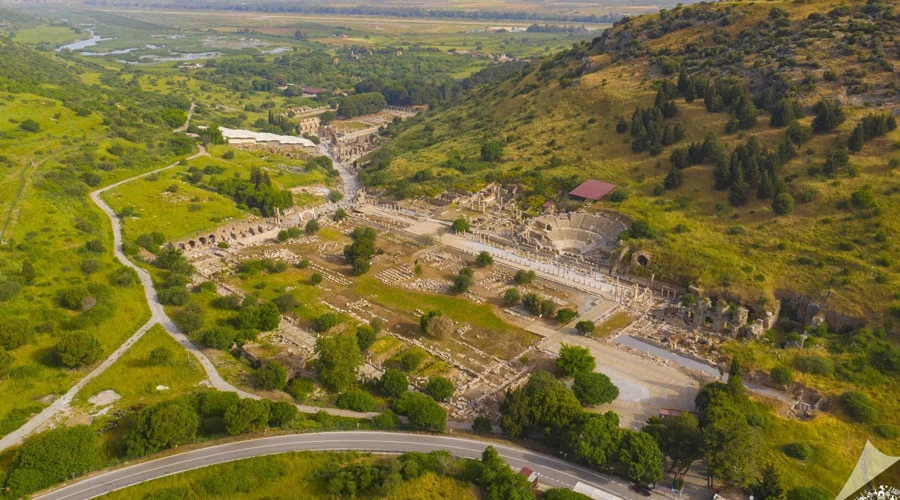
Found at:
(552, 471)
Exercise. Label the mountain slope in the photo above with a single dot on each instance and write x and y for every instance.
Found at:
(719, 71)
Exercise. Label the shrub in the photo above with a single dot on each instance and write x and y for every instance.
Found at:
(781, 375)
(270, 376)
(393, 383)
(245, 416)
(356, 400)
(482, 425)
(76, 298)
(325, 322)
(78, 349)
(484, 259)
(859, 407)
(161, 355)
(565, 315)
(422, 411)
(160, 427)
(817, 365)
(386, 420)
(783, 204)
(300, 388)
(800, 451)
(523, 277)
(887, 431)
(281, 413)
(511, 297)
(440, 388)
(411, 359)
(585, 327)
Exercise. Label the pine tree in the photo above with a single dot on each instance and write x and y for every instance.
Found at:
(857, 139)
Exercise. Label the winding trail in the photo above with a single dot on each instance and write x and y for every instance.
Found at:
(157, 316)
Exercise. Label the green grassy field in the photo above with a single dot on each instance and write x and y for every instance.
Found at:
(54, 35)
(275, 475)
(48, 226)
(135, 377)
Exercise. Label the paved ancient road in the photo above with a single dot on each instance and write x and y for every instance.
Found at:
(552, 471)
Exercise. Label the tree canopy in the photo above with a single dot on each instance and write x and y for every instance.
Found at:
(339, 359)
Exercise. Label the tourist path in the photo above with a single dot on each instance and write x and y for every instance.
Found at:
(551, 471)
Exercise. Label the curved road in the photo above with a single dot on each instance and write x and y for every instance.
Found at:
(552, 471)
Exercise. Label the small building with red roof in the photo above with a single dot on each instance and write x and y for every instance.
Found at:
(592, 189)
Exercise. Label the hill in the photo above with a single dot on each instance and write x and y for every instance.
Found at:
(738, 130)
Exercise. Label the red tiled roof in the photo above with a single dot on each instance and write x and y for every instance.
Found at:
(592, 189)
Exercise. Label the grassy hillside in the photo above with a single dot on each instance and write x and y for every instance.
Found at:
(557, 124)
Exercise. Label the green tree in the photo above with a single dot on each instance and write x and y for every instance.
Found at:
(511, 297)
(783, 203)
(678, 437)
(365, 337)
(422, 411)
(594, 438)
(339, 215)
(727, 440)
(483, 259)
(78, 349)
(361, 251)
(543, 404)
(440, 388)
(162, 426)
(499, 481)
(339, 359)
(247, 415)
(491, 151)
(464, 280)
(769, 485)
(640, 229)
(14, 332)
(51, 458)
(312, 226)
(594, 388)
(461, 226)
(523, 277)
(857, 139)
(585, 327)
(393, 383)
(270, 376)
(829, 114)
(641, 457)
(573, 360)
(315, 279)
